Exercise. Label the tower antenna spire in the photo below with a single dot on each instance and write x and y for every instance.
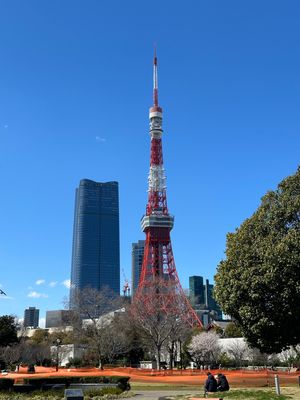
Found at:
(155, 80)
(159, 284)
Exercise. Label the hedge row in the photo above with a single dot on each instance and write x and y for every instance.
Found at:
(38, 383)
(67, 380)
(6, 383)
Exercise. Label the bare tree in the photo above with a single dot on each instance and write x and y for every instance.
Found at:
(115, 340)
(134, 346)
(10, 354)
(34, 353)
(291, 356)
(256, 357)
(157, 316)
(204, 348)
(92, 319)
(179, 334)
(238, 350)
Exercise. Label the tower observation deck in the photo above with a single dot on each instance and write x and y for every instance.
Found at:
(158, 269)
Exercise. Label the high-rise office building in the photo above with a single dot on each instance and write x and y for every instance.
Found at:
(209, 299)
(137, 262)
(96, 248)
(31, 317)
(196, 290)
(58, 318)
(201, 297)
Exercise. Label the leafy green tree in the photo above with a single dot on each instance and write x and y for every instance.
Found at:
(225, 360)
(259, 281)
(65, 337)
(40, 336)
(8, 330)
(233, 330)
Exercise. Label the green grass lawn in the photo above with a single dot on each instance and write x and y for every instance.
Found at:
(161, 386)
(254, 394)
(248, 394)
(287, 393)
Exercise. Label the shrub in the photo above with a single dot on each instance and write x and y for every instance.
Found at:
(101, 392)
(122, 381)
(6, 384)
(75, 362)
(23, 388)
(31, 369)
(39, 382)
(33, 396)
(100, 379)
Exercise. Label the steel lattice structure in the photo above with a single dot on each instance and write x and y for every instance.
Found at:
(158, 269)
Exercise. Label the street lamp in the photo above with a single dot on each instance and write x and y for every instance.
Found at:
(57, 343)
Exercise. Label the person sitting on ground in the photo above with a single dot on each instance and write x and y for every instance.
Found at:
(210, 384)
(222, 383)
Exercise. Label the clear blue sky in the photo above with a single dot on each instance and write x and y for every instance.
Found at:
(75, 88)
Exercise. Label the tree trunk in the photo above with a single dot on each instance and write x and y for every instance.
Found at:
(171, 355)
(180, 354)
(158, 348)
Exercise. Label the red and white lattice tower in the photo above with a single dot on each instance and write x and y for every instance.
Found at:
(158, 263)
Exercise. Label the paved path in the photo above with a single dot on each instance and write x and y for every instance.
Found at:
(156, 394)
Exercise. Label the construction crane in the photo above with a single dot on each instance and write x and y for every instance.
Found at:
(126, 286)
(126, 289)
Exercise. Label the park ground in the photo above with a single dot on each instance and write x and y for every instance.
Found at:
(181, 385)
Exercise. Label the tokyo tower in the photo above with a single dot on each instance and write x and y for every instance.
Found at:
(158, 269)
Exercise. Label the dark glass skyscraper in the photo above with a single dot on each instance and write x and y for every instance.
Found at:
(196, 290)
(137, 255)
(209, 299)
(96, 249)
(201, 297)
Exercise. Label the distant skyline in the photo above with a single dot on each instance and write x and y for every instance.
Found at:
(76, 86)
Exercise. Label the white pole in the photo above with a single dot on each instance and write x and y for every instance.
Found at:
(277, 386)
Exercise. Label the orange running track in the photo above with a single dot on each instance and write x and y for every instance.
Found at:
(238, 378)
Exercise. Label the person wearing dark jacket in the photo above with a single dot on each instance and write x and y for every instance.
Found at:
(222, 383)
(210, 384)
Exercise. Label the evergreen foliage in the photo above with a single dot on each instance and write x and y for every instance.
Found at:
(258, 283)
(8, 330)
